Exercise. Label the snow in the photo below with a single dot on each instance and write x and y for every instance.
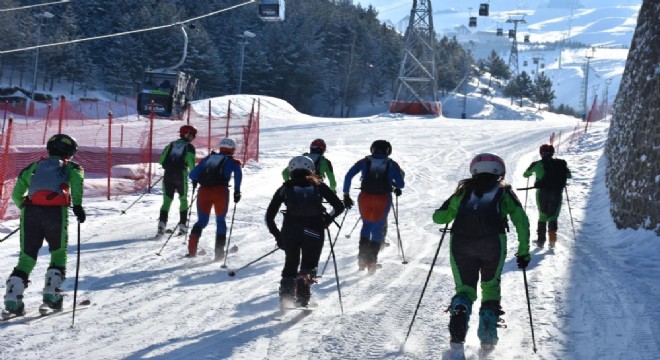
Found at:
(593, 297)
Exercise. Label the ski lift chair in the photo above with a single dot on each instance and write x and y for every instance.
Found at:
(526, 38)
(271, 10)
(499, 32)
(473, 21)
(483, 9)
(512, 34)
(525, 63)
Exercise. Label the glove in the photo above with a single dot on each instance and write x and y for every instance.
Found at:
(278, 240)
(348, 202)
(80, 213)
(237, 196)
(397, 191)
(194, 184)
(328, 220)
(523, 261)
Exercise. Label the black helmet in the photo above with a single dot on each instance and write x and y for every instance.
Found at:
(546, 150)
(381, 147)
(62, 145)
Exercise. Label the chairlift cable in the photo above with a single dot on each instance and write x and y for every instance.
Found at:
(35, 5)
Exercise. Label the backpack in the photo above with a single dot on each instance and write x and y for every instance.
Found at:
(49, 184)
(375, 180)
(176, 156)
(554, 175)
(303, 200)
(479, 217)
(212, 173)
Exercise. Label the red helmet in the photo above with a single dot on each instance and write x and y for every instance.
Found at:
(546, 150)
(187, 129)
(318, 145)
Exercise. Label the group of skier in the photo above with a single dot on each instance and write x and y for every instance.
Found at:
(478, 208)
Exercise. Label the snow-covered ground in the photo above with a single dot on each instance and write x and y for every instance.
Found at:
(593, 297)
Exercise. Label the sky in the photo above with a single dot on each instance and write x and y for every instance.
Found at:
(593, 297)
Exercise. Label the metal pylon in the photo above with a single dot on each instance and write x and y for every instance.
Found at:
(513, 56)
(417, 81)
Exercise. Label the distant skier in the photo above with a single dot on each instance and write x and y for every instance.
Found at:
(177, 159)
(551, 175)
(380, 177)
(51, 185)
(479, 208)
(213, 174)
(303, 228)
(322, 165)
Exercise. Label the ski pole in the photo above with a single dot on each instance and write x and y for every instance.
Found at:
(529, 308)
(334, 261)
(444, 232)
(333, 244)
(140, 197)
(354, 226)
(570, 213)
(192, 201)
(224, 265)
(526, 191)
(10, 234)
(166, 241)
(398, 233)
(75, 284)
(233, 272)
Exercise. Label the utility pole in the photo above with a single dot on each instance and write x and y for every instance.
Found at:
(585, 85)
(513, 56)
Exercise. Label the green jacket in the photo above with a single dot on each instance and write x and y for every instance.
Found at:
(76, 178)
(325, 170)
(509, 206)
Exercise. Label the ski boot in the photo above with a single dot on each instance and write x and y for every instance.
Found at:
(304, 282)
(220, 240)
(161, 227)
(287, 292)
(552, 239)
(540, 231)
(16, 285)
(52, 295)
(193, 239)
(460, 310)
(489, 318)
(182, 229)
(362, 253)
(373, 248)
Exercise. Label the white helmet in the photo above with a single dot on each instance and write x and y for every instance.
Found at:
(301, 163)
(227, 146)
(487, 163)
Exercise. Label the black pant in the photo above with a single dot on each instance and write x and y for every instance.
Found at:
(302, 237)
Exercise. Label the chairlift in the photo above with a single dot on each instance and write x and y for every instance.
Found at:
(512, 34)
(526, 38)
(525, 63)
(473, 21)
(271, 10)
(542, 66)
(483, 9)
(500, 32)
(536, 61)
(168, 89)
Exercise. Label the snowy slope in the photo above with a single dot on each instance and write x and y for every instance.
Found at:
(588, 297)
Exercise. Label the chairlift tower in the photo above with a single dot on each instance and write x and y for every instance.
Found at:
(416, 92)
(585, 85)
(513, 56)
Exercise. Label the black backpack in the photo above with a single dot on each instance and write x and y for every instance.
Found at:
(375, 178)
(479, 217)
(554, 175)
(212, 173)
(303, 200)
(176, 155)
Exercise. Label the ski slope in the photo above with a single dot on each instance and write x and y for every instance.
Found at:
(594, 297)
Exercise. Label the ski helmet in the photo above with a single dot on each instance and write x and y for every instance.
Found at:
(227, 146)
(317, 147)
(301, 163)
(187, 129)
(62, 145)
(381, 147)
(546, 150)
(487, 163)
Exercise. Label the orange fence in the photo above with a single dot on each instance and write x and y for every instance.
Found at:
(119, 153)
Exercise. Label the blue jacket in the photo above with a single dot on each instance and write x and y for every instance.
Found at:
(394, 175)
(232, 166)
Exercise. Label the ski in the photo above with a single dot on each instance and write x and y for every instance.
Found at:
(456, 352)
(45, 312)
(288, 309)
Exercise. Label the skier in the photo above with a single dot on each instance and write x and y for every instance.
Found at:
(177, 159)
(51, 183)
(303, 227)
(322, 165)
(380, 177)
(213, 174)
(479, 208)
(551, 175)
